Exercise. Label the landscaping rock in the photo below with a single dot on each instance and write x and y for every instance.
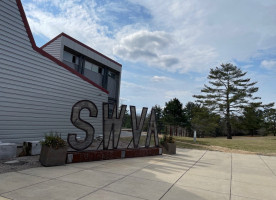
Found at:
(7, 151)
(32, 148)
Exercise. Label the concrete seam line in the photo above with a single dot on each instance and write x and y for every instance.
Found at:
(230, 196)
(120, 179)
(55, 178)
(182, 175)
(123, 194)
(48, 179)
(208, 190)
(249, 198)
(267, 165)
(24, 187)
(75, 183)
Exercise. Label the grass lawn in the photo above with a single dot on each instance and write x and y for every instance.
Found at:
(261, 145)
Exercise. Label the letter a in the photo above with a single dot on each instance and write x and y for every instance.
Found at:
(152, 129)
(83, 125)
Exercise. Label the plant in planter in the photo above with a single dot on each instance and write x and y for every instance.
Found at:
(168, 144)
(53, 150)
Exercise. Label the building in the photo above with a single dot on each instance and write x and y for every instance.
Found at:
(39, 86)
(88, 62)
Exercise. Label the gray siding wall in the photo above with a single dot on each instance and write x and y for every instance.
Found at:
(54, 48)
(36, 94)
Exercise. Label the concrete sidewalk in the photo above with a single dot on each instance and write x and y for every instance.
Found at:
(191, 174)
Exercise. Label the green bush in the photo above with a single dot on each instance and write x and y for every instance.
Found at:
(54, 141)
(171, 139)
(167, 139)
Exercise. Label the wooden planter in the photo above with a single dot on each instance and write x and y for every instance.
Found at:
(169, 148)
(52, 157)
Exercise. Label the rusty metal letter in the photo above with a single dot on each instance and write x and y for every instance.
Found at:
(137, 128)
(83, 125)
(112, 126)
(152, 129)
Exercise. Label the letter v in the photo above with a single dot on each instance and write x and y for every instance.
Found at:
(137, 129)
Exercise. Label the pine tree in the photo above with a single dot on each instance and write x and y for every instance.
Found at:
(270, 118)
(253, 119)
(229, 92)
(158, 118)
(173, 113)
(204, 121)
(190, 109)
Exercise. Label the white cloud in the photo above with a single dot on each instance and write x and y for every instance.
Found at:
(147, 46)
(78, 20)
(269, 64)
(180, 36)
(134, 86)
(213, 31)
(160, 78)
(247, 66)
(201, 79)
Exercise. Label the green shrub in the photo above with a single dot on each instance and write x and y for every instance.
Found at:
(171, 139)
(54, 141)
(167, 139)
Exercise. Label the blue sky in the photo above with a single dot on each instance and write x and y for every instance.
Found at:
(167, 47)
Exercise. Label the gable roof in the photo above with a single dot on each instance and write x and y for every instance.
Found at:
(80, 43)
(42, 52)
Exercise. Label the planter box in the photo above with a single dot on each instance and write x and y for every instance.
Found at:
(169, 148)
(86, 156)
(52, 157)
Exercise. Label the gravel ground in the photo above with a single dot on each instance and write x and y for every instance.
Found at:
(24, 162)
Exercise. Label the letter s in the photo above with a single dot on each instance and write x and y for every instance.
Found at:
(81, 124)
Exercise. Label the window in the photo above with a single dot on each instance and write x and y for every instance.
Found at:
(111, 74)
(70, 57)
(95, 68)
(101, 71)
(67, 56)
(92, 67)
(88, 65)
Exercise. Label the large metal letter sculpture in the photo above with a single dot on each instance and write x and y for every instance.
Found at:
(112, 126)
(152, 129)
(83, 125)
(137, 129)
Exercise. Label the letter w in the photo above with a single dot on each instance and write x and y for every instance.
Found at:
(112, 126)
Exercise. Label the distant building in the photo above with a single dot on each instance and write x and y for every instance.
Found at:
(39, 86)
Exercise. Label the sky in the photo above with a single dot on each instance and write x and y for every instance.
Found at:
(166, 47)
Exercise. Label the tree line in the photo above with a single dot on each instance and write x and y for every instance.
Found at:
(226, 106)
